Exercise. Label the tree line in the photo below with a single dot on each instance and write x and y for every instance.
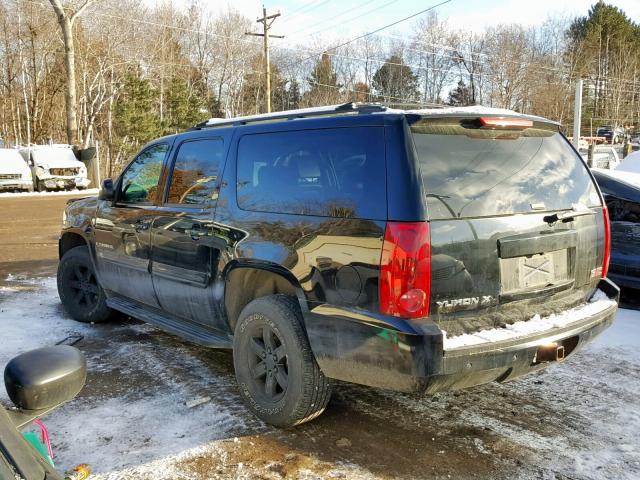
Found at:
(141, 71)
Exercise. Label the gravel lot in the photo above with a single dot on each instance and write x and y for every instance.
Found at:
(576, 420)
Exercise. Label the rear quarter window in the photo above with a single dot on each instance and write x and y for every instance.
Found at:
(330, 172)
(467, 176)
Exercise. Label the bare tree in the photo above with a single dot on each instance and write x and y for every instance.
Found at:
(66, 18)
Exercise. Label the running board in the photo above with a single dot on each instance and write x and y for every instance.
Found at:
(183, 328)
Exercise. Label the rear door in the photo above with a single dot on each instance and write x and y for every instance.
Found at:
(186, 243)
(516, 222)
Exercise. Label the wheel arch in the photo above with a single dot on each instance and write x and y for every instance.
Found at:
(69, 240)
(244, 282)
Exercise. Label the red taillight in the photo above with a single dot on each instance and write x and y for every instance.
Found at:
(405, 270)
(505, 122)
(607, 242)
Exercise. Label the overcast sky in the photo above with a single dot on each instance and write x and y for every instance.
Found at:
(344, 18)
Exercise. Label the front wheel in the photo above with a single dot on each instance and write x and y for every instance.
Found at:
(81, 294)
(278, 375)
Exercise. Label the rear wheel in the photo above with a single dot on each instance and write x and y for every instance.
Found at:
(81, 294)
(278, 375)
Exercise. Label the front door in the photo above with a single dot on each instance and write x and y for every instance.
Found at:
(123, 228)
(186, 247)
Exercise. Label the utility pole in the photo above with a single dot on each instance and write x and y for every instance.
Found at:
(577, 114)
(266, 21)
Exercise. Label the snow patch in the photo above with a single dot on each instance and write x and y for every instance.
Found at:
(631, 163)
(535, 325)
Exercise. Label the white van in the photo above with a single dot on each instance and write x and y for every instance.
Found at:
(14, 171)
(55, 167)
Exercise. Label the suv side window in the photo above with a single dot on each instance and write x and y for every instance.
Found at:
(196, 171)
(336, 172)
(139, 182)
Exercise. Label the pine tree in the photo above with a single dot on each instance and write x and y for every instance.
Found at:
(135, 115)
(323, 83)
(461, 96)
(293, 96)
(395, 81)
(254, 91)
(183, 107)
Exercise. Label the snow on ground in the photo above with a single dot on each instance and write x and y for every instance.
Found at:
(88, 192)
(577, 420)
(139, 425)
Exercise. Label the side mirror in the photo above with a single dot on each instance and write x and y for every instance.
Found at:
(107, 192)
(44, 378)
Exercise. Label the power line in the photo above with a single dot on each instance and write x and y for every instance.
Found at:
(304, 9)
(375, 60)
(445, 47)
(344, 21)
(388, 25)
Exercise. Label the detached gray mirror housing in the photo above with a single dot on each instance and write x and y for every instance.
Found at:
(44, 378)
(107, 192)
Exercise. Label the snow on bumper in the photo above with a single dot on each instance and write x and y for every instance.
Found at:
(504, 355)
(64, 182)
(536, 325)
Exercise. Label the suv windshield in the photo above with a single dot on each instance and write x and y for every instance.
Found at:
(470, 172)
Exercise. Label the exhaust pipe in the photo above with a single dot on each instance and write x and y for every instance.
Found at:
(549, 353)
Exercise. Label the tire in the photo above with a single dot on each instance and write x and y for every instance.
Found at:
(288, 388)
(80, 293)
(40, 186)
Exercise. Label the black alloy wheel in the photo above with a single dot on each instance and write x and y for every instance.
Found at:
(79, 289)
(268, 363)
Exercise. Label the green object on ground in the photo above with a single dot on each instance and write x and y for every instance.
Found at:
(40, 447)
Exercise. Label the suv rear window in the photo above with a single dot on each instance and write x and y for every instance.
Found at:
(337, 172)
(470, 173)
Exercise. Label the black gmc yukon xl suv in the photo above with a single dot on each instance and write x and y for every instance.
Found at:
(409, 250)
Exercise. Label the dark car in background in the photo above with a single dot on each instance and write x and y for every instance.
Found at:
(383, 247)
(612, 134)
(623, 201)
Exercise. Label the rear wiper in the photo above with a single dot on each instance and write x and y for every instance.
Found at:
(565, 217)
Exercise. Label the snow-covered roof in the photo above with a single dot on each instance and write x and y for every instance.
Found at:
(472, 110)
(267, 116)
(427, 112)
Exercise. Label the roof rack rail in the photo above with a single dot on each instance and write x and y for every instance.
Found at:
(351, 107)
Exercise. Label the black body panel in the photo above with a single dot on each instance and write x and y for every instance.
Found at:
(317, 233)
(623, 202)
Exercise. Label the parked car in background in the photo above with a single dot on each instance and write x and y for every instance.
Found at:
(613, 135)
(15, 174)
(55, 167)
(621, 191)
(605, 156)
(406, 250)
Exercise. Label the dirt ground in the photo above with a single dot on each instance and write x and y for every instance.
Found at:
(29, 230)
(559, 424)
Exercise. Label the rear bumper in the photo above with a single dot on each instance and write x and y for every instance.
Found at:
(365, 351)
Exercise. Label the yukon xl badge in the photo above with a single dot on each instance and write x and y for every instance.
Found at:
(468, 303)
